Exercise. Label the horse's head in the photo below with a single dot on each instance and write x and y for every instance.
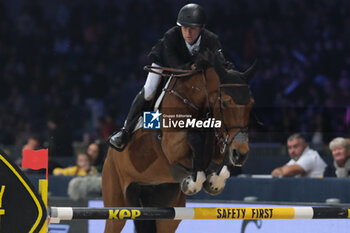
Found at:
(232, 104)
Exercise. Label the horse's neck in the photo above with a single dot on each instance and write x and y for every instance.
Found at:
(212, 79)
(196, 89)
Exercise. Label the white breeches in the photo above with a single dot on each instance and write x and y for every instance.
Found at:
(152, 83)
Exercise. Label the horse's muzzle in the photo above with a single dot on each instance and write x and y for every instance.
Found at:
(236, 158)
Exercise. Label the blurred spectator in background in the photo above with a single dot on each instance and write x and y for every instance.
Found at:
(106, 127)
(96, 150)
(84, 167)
(304, 161)
(340, 148)
(85, 187)
(32, 143)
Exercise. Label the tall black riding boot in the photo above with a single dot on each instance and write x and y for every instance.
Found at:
(120, 139)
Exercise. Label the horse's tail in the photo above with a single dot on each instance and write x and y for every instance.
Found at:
(150, 196)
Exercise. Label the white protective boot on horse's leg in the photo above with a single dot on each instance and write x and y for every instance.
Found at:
(191, 187)
(214, 183)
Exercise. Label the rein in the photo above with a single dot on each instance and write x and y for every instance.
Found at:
(177, 94)
(182, 73)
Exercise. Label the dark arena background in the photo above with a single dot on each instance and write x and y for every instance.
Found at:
(69, 71)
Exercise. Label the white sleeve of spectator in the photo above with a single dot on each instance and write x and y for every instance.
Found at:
(306, 161)
(290, 162)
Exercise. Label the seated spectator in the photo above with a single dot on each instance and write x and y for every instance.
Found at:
(85, 187)
(340, 148)
(304, 161)
(96, 150)
(32, 143)
(82, 168)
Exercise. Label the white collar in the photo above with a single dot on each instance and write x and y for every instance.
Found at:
(342, 171)
(346, 165)
(194, 49)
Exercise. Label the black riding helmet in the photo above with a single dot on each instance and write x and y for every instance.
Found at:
(191, 15)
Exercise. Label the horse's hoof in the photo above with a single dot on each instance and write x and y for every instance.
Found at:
(191, 187)
(211, 189)
(214, 183)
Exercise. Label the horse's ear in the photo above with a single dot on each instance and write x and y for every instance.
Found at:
(248, 75)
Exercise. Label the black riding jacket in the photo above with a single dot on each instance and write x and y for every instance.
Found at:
(171, 50)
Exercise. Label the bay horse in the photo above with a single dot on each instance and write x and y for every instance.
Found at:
(159, 168)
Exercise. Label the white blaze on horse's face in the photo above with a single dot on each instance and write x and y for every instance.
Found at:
(190, 34)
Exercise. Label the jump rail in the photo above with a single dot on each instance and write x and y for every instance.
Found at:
(179, 213)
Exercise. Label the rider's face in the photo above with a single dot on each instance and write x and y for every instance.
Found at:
(190, 34)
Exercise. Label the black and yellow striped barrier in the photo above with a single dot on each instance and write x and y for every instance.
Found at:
(148, 213)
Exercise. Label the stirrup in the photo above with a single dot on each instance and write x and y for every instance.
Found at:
(120, 149)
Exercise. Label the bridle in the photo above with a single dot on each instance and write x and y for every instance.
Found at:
(222, 138)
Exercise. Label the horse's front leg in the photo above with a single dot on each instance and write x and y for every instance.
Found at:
(193, 184)
(216, 180)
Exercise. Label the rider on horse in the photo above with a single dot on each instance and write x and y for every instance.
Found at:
(177, 49)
